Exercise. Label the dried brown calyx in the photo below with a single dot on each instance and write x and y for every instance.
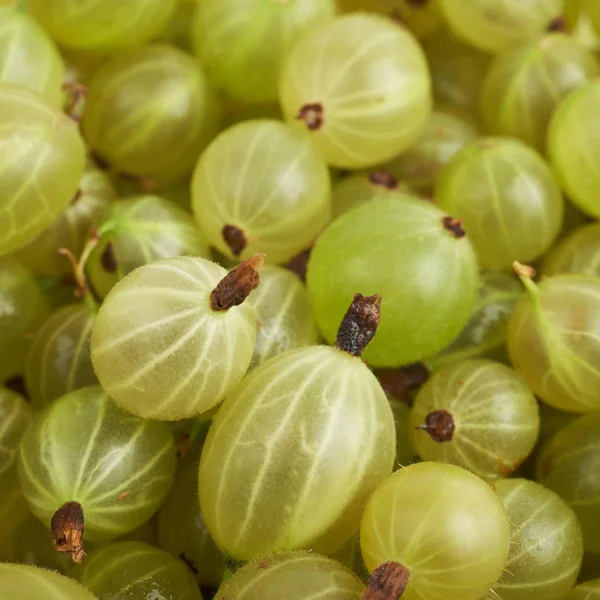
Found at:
(399, 382)
(235, 239)
(77, 94)
(67, 525)
(236, 286)
(454, 226)
(559, 24)
(359, 324)
(387, 582)
(384, 179)
(108, 260)
(312, 115)
(439, 424)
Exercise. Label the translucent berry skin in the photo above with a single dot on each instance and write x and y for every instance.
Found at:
(13, 509)
(420, 18)
(43, 157)
(457, 71)
(526, 82)
(160, 350)
(284, 315)
(572, 139)
(24, 309)
(370, 78)
(145, 101)
(485, 334)
(588, 590)
(72, 228)
(267, 180)
(553, 343)
(419, 166)
(104, 26)
(137, 570)
(492, 26)
(33, 546)
(23, 581)
(569, 465)
(444, 524)
(495, 416)
(293, 576)
(427, 278)
(182, 531)
(85, 449)
(59, 359)
(406, 452)
(15, 416)
(546, 543)
(502, 190)
(141, 230)
(294, 453)
(359, 188)
(577, 253)
(242, 46)
(28, 57)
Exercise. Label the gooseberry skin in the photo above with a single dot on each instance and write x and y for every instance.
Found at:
(502, 190)
(293, 576)
(137, 570)
(552, 341)
(24, 310)
(28, 57)
(578, 253)
(428, 278)
(457, 71)
(72, 228)
(150, 112)
(24, 581)
(370, 78)
(419, 166)
(526, 82)
(83, 448)
(495, 417)
(13, 509)
(182, 531)
(492, 26)
(294, 453)
(160, 350)
(103, 26)
(569, 465)
(59, 359)
(444, 524)
(359, 188)
(588, 590)
(284, 316)
(267, 180)
(484, 336)
(546, 543)
(141, 230)
(421, 18)
(43, 157)
(242, 46)
(15, 416)
(572, 139)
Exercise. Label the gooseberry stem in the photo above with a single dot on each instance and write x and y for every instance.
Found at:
(236, 286)
(359, 324)
(387, 582)
(82, 289)
(526, 274)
